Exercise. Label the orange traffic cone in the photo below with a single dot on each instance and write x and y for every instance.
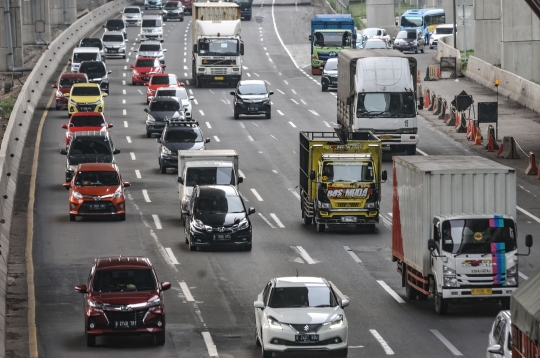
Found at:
(500, 151)
(426, 99)
(491, 144)
(419, 77)
(478, 136)
(438, 73)
(470, 133)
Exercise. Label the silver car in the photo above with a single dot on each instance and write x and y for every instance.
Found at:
(114, 44)
(179, 93)
(132, 15)
(152, 49)
(500, 337)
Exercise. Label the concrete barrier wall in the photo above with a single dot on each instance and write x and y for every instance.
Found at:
(22, 117)
(525, 92)
(445, 48)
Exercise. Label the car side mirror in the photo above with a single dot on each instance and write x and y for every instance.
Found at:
(126, 184)
(116, 151)
(145, 110)
(384, 175)
(271, 92)
(321, 68)
(251, 211)
(180, 180)
(164, 50)
(67, 185)
(81, 289)
(110, 125)
(344, 302)
(65, 126)
(109, 72)
(528, 241)
(158, 140)
(54, 86)
(240, 180)
(186, 212)
(396, 23)
(165, 286)
(242, 49)
(258, 304)
(105, 94)
(103, 25)
(232, 93)
(66, 94)
(496, 349)
(207, 140)
(432, 246)
(312, 175)
(63, 152)
(164, 66)
(131, 66)
(191, 98)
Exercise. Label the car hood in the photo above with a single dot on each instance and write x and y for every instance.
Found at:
(85, 99)
(220, 219)
(331, 73)
(160, 116)
(96, 190)
(437, 36)
(304, 315)
(125, 298)
(89, 158)
(184, 146)
(253, 97)
(150, 53)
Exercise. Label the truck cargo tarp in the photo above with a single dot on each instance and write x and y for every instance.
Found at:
(525, 307)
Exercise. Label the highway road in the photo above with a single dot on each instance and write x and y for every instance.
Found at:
(210, 307)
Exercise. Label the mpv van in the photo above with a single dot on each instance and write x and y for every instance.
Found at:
(81, 54)
(152, 28)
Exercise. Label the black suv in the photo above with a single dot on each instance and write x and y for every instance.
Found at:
(116, 25)
(96, 71)
(88, 147)
(160, 111)
(252, 97)
(216, 216)
(179, 135)
(173, 10)
(410, 40)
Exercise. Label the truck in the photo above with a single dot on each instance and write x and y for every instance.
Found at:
(454, 234)
(205, 167)
(329, 35)
(340, 178)
(217, 46)
(377, 92)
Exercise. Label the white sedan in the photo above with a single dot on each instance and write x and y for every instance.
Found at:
(301, 314)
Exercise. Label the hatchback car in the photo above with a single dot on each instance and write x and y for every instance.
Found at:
(123, 296)
(173, 10)
(152, 28)
(329, 74)
(144, 68)
(152, 49)
(84, 122)
(217, 217)
(500, 337)
(181, 94)
(92, 42)
(116, 25)
(63, 86)
(97, 73)
(178, 135)
(85, 97)
(114, 44)
(294, 314)
(159, 81)
(97, 189)
(410, 40)
(252, 97)
(132, 15)
(160, 111)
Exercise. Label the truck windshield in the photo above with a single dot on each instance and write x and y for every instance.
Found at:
(385, 105)
(347, 171)
(411, 21)
(210, 176)
(218, 47)
(477, 236)
(333, 39)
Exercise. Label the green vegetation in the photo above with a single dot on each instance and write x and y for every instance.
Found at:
(7, 103)
(465, 59)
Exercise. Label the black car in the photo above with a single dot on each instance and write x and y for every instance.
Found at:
(252, 97)
(216, 216)
(160, 111)
(88, 147)
(179, 135)
(173, 10)
(96, 71)
(410, 40)
(116, 25)
(329, 74)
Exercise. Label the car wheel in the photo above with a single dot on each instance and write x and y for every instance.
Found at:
(416, 51)
(148, 134)
(269, 114)
(124, 57)
(423, 47)
(324, 88)
(257, 342)
(321, 227)
(122, 217)
(441, 305)
(160, 338)
(307, 220)
(72, 217)
(132, 83)
(505, 303)
(162, 169)
(236, 115)
(90, 340)
(182, 19)
(57, 108)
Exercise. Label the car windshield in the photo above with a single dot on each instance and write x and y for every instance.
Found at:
(372, 32)
(210, 176)
(115, 24)
(330, 65)
(172, 5)
(411, 21)
(124, 280)
(132, 10)
(312, 295)
(183, 135)
(443, 31)
(333, 39)
(151, 23)
(68, 82)
(90, 42)
(146, 63)
(107, 178)
(161, 106)
(252, 88)
(149, 47)
(477, 236)
(113, 38)
(400, 104)
(93, 69)
(164, 80)
(85, 56)
(85, 91)
(174, 92)
(219, 205)
(86, 121)
(218, 47)
(375, 45)
(347, 171)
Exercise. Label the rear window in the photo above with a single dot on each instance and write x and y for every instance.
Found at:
(174, 92)
(151, 23)
(90, 146)
(87, 121)
(146, 63)
(132, 10)
(124, 280)
(183, 135)
(149, 47)
(117, 24)
(85, 56)
(444, 31)
(94, 67)
(90, 42)
(162, 106)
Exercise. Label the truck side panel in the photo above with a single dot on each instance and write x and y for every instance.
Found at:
(523, 346)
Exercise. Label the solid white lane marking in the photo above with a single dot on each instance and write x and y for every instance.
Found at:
(240, 173)
(250, 138)
(216, 138)
(527, 213)
(295, 193)
(280, 91)
(138, 173)
(383, 343)
(327, 124)
(186, 292)
(315, 113)
(280, 112)
(210, 346)
(242, 125)
(276, 219)
(124, 112)
(146, 197)
(274, 171)
(294, 101)
(256, 195)
(266, 220)
(128, 138)
(124, 91)
(293, 91)
(391, 292)
(208, 125)
(523, 276)
(446, 342)
(125, 124)
(132, 156)
(201, 112)
(353, 255)
(304, 254)
(157, 222)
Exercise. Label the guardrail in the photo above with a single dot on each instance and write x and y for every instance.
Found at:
(22, 117)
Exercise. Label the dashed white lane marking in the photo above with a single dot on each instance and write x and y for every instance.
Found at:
(523, 276)
(128, 138)
(247, 73)
(210, 346)
(274, 137)
(240, 173)
(201, 112)
(315, 113)
(216, 138)
(294, 101)
(124, 112)
(286, 82)
(185, 68)
(125, 124)
(129, 53)
(190, 91)
(304, 254)
(124, 75)
(251, 138)
(293, 91)
(123, 82)
(186, 292)
(211, 91)
(242, 125)
(222, 100)
(276, 219)
(295, 193)
(446, 342)
(185, 53)
(245, 67)
(208, 125)
(383, 343)
(280, 91)
(132, 156)
(185, 74)
(353, 255)
(124, 91)
(174, 261)
(274, 171)
(280, 112)
(327, 124)
(138, 173)
(123, 101)
(256, 195)
(255, 124)
(304, 102)
(187, 82)
(390, 291)
(195, 101)
(125, 67)
(292, 124)
(146, 197)
(256, 74)
(184, 60)
(139, 91)
(267, 221)
(157, 222)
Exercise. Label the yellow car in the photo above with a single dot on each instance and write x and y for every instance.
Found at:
(85, 97)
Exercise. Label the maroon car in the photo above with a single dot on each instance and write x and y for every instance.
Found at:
(123, 296)
(64, 84)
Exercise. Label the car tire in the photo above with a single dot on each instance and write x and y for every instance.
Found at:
(236, 115)
(72, 217)
(342, 352)
(124, 57)
(182, 19)
(191, 246)
(441, 305)
(416, 51)
(307, 220)
(122, 217)
(132, 83)
(324, 88)
(162, 169)
(257, 342)
(423, 47)
(370, 227)
(90, 340)
(148, 134)
(269, 114)
(411, 150)
(57, 108)
(159, 338)
(321, 227)
(505, 303)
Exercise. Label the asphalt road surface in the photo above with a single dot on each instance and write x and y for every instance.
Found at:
(210, 307)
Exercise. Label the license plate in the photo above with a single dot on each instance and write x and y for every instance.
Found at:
(218, 78)
(97, 206)
(306, 338)
(222, 237)
(146, 78)
(125, 324)
(252, 109)
(481, 291)
(348, 219)
(113, 50)
(386, 137)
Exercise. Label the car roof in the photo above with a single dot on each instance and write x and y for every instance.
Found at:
(98, 167)
(73, 75)
(247, 82)
(119, 33)
(294, 281)
(85, 85)
(132, 7)
(90, 38)
(217, 190)
(112, 262)
(86, 49)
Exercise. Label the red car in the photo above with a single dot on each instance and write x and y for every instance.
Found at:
(97, 189)
(85, 121)
(158, 81)
(143, 68)
(123, 296)
(63, 86)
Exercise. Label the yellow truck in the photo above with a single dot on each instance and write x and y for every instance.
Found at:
(340, 178)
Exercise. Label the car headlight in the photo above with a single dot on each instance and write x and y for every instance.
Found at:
(165, 150)
(243, 224)
(337, 323)
(150, 118)
(118, 193)
(371, 205)
(198, 224)
(59, 94)
(165, 11)
(409, 131)
(325, 205)
(72, 102)
(77, 195)
(135, 72)
(449, 277)
(95, 306)
(239, 100)
(274, 323)
(266, 101)
(511, 276)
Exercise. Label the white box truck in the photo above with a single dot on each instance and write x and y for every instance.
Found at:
(454, 234)
(205, 167)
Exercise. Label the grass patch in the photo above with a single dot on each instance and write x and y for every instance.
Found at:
(7, 103)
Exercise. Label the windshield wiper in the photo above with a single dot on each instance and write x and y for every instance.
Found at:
(372, 113)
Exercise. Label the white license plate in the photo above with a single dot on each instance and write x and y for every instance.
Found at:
(348, 219)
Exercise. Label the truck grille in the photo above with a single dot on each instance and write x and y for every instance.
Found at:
(218, 71)
(347, 205)
(479, 280)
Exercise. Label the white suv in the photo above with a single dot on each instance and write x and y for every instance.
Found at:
(114, 44)
(132, 15)
(152, 28)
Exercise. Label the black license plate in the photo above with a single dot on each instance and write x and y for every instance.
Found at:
(113, 50)
(253, 109)
(306, 338)
(98, 206)
(125, 324)
(146, 78)
(219, 237)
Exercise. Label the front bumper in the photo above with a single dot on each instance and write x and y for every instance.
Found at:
(153, 5)
(466, 293)
(346, 217)
(173, 16)
(405, 47)
(151, 37)
(104, 322)
(84, 108)
(133, 22)
(253, 108)
(140, 78)
(329, 81)
(61, 101)
(104, 207)
(206, 239)
(219, 79)
(114, 52)
(169, 161)
(283, 340)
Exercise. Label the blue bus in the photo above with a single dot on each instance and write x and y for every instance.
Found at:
(425, 20)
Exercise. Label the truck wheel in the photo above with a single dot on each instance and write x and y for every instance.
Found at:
(411, 150)
(321, 227)
(505, 303)
(307, 220)
(410, 292)
(441, 305)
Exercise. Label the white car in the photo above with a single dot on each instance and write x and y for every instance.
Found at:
(500, 337)
(132, 15)
(376, 33)
(114, 44)
(440, 31)
(181, 94)
(296, 314)
(152, 49)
